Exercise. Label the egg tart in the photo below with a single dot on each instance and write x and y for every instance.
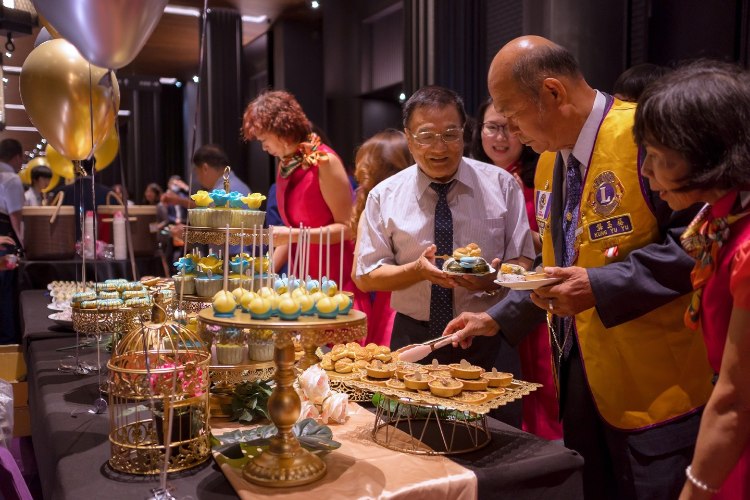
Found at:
(378, 370)
(437, 367)
(465, 370)
(498, 379)
(394, 383)
(445, 387)
(417, 381)
(479, 384)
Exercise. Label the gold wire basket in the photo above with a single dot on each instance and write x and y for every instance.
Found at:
(159, 399)
(97, 321)
(435, 425)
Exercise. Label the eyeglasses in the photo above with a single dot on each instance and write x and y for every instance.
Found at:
(490, 129)
(450, 136)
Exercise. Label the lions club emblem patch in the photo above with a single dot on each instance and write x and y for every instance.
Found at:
(606, 194)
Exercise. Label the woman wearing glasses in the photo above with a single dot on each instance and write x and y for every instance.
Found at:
(491, 143)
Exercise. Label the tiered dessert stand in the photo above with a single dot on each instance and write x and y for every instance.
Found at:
(286, 463)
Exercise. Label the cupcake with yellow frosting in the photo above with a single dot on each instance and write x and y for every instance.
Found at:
(199, 216)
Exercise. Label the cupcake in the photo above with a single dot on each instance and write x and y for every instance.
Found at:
(207, 286)
(253, 200)
(187, 281)
(229, 354)
(260, 346)
(198, 217)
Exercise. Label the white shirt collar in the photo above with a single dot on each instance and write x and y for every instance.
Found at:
(584, 145)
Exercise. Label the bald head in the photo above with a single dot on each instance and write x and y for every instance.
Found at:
(526, 61)
(538, 87)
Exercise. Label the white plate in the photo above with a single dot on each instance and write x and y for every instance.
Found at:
(528, 285)
(62, 319)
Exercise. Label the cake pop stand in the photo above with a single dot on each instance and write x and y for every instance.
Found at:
(285, 463)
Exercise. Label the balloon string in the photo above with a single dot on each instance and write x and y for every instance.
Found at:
(93, 170)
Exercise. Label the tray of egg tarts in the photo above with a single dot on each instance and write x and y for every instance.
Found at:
(459, 386)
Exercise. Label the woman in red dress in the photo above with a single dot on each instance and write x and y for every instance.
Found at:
(493, 144)
(312, 187)
(694, 126)
(381, 156)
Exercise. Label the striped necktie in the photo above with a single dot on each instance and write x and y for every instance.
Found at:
(441, 299)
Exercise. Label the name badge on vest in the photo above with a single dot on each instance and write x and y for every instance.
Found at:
(542, 205)
(607, 193)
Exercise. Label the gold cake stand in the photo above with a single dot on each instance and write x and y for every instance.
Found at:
(286, 463)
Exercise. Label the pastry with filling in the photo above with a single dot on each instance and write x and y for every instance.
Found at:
(479, 384)
(417, 381)
(395, 383)
(498, 379)
(465, 370)
(376, 369)
(437, 367)
(343, 365)
(445, 387)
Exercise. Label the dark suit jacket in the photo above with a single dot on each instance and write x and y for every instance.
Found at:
(645, 280)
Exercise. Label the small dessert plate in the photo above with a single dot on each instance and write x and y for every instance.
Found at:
(528, 284)
(62, 318)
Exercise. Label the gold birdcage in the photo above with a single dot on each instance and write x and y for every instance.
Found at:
(158, 398)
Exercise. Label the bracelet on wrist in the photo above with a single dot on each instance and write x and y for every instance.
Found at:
(697, 482)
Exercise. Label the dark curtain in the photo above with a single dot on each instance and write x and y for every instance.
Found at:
(445, 44)
(221, 105)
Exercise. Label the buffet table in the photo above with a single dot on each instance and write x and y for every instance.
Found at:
(35, 274)
(72, 448)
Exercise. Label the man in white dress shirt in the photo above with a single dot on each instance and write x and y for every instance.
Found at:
(397, 247)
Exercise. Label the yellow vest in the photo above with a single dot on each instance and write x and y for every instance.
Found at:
(653, 368)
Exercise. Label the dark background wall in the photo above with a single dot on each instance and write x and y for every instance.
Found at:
(349, 61)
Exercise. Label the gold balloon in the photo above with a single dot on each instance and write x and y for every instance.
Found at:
(25, 173)
(107, 151)
(59, 164)
(53, 182)
(57, 89)
(51, 29)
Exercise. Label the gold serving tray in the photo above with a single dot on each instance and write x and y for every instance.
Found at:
(492, 398)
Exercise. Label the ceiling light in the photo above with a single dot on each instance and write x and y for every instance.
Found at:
(182, 11)
(8, 54)
(167, 81)
(178, 84)
(193, 12)
(196, 79)
(401, 97)
(255, 19)
(21, 129)
(314, 4)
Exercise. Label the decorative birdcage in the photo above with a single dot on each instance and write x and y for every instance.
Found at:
(158, 397)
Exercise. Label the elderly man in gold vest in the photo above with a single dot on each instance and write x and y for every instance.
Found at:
(632, 379)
